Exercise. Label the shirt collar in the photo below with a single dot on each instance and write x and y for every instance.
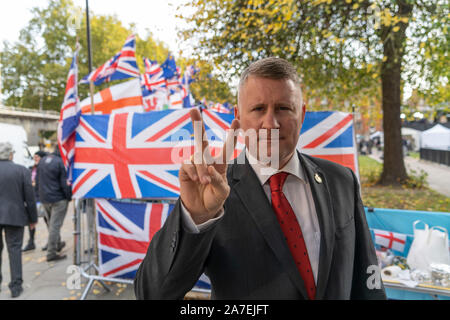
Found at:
(264, 172)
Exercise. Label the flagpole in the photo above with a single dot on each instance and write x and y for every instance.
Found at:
(88, 33)
(90, 210)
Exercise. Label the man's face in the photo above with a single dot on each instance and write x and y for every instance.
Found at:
(272, 104)
(36, 159)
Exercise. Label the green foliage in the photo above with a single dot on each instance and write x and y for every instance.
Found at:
(39, 61)
(416, 180)
(348, 52)
(338, 46)
(369, 170)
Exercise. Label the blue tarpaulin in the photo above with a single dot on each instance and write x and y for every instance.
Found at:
(401, 221)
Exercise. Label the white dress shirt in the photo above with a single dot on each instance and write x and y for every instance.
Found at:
(297, 191)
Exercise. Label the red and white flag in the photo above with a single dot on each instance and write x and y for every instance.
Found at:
(123, 97)
(390, 240)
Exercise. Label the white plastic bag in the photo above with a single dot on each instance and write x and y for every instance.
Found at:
(430, 245)
(416, 256)
(438, 246)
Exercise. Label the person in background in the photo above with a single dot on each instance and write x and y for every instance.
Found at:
(54, 193)
(40, 209)
(17, 209)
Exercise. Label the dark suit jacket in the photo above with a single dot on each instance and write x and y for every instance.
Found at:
(17, 202)
(51, 179)
(245, 253)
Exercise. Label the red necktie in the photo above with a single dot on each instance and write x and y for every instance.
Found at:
(292, 231)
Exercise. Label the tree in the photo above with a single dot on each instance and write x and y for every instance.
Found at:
(207, 84)
(39, 61)
(344, 50)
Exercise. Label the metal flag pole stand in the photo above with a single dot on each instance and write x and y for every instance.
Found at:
(85, 211)
(84, 246)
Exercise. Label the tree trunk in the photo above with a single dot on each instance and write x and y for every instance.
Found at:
(394, 171)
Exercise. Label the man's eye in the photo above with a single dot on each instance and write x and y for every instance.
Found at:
(285, 108)
(258, 108)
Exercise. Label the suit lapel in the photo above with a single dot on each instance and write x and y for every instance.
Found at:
(322, 202)
(252, 195)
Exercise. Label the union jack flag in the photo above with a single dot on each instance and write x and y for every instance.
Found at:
(329, 135)
(122, 66)
(216, 125)
(131, 155)
(69, 117)
(153, 85)
(188, 78)
(145, 151)
(124, 232)
(154, 76)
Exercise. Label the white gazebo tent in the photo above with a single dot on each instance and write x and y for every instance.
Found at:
(414, 134)
(437, 138)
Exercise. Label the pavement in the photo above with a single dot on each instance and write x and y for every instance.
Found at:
(438, 174)
(44, 280)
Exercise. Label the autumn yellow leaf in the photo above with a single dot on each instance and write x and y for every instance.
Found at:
(404, 19)
(395, 29)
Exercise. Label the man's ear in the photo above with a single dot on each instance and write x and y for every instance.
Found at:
(236, 112)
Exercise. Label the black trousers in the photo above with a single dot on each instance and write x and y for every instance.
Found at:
(14, 240)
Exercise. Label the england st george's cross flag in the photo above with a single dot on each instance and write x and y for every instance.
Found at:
(119, 98)
(138, 155)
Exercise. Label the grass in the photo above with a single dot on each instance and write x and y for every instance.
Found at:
(414, 154)
(405, 197)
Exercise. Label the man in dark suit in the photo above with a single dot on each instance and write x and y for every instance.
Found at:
(275, 224)
(17, 209)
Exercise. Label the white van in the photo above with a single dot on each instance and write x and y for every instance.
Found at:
(17, 136)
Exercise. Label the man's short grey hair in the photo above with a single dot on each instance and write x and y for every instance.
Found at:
(6, 149)
(270, 68)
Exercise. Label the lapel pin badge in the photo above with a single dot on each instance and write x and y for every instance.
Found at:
(317, 178)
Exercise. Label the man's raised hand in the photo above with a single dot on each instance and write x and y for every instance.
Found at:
(204, 186)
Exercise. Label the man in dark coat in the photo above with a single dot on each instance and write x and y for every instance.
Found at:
(290, 228)
(54, 193)
(17, 209)
(37, 157)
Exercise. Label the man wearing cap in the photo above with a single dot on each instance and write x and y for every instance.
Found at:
(17, 209)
